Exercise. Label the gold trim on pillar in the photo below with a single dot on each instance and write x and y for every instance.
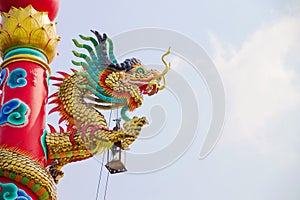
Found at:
(25, 57)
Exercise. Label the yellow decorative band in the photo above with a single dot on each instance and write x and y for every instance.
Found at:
(25, 57)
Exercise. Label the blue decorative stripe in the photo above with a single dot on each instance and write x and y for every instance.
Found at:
(24, 50)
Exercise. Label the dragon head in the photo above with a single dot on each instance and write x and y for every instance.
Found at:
(118, 84)
(148, 81)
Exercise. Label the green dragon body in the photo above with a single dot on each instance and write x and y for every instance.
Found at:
(102, 84)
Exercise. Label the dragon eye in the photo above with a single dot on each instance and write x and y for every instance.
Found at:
(139, 70)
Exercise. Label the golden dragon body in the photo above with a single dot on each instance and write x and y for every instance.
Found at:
(103, 84)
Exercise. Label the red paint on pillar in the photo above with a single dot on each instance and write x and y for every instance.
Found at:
(34, 94)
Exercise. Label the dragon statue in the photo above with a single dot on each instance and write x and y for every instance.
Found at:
(103, 84)
(32, 157)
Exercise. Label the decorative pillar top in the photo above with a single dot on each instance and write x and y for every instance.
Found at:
(29, 29)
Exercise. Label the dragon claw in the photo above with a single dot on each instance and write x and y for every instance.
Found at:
(55, 173)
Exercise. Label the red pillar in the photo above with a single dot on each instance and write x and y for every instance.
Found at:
(28, 43)
(25, 128)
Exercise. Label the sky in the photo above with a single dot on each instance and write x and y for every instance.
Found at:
(253, 45)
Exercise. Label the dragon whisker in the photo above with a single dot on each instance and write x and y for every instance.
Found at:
(164, 85)
(162, 75)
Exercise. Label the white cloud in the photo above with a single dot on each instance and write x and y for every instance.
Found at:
(260, 84)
